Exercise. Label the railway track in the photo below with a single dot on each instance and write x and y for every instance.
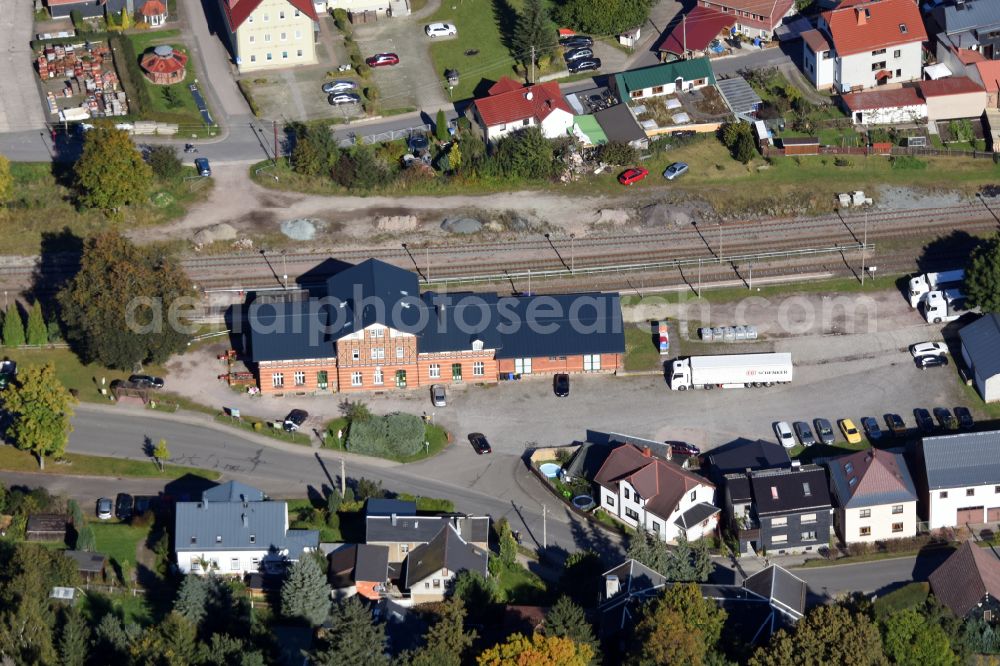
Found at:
(449, 260)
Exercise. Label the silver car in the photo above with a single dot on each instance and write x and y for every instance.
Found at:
(784, 433)
(675, 170)
(339, 86)
(438, 396)
(105, 508)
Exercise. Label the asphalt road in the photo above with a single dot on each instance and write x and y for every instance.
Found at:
(293, 471)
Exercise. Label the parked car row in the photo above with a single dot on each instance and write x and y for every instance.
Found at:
(124, 506)
(930, 354)
(895, 426)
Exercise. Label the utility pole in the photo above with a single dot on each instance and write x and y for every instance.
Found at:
(699, 278)
(684, 30)
(545, 527)
(864, 246)
(750, 287)
(428, 250)
(532, 79)
(275, 122)
(720, 242)
(343, 479)
(572, 253)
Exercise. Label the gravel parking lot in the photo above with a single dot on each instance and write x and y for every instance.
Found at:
(20, 106)
(296, 93)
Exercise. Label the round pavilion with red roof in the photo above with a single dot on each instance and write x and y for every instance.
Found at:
(164, 65)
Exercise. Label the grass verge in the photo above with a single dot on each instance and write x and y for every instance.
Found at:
(436, 437)
(640, 351)
(263, 427)
(15, 460)
(520, 586)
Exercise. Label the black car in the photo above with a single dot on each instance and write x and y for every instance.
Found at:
(683, 449)
(924, 362)
(945, 418)
(560, 384)
(123, 506)
(203, 167)
(295, 419)
(479, 443)
(146, 381)
(925, 423)
(964, 417)
(585, 65)
(578, 54)
(417, 143)
(871, 428)
(576, 41)
(8, 371)
(895, 424)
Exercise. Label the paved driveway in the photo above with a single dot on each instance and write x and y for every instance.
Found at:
(20, 104)
(413, 82)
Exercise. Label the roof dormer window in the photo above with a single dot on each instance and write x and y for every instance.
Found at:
(902, 28)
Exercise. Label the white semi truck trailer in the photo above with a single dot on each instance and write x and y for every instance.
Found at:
(922, 285)
(731, 371)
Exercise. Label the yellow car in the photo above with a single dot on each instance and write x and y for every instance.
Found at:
(850, 432)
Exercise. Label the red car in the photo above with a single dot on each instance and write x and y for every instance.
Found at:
(382, 60)
(633, 175)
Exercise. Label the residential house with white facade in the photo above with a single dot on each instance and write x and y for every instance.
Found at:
(968, 31)
(960, 483)
(666, 79)
(509, 106)
(432, 566)
(754, 18)
(862, 45)
(661, 497)
(234, 530)
(875, 497)
(268, 34)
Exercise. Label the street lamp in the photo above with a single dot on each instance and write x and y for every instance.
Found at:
(284, 269)
(572, 253)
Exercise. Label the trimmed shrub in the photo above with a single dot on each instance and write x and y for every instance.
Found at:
(617, 153)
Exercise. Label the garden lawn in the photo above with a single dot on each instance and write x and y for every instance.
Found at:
(74, 374)
(523, 587)
(118, 541)
(42, 207)
(15, 460)
(184, 111)
(436, 437)
(640, 352)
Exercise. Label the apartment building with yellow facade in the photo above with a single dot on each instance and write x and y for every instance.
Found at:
(269, 34)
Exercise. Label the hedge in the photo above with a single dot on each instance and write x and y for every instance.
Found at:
(428, 504)
(391, 436)
(130, 75)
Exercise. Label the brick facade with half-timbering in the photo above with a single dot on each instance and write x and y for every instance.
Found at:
(378, 357)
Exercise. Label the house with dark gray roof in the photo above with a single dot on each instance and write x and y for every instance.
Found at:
(388, 507)
(959, 480)
(875, 496)
(89, 565)
(766, 601)
(359, 568)
(791, 509)
(232, 491)
(981, 353)
(403, 534)
(968, 583)
(968, 31)
(743, 455)
(432, 566)
(619, 124)
(369, 327)
(236, 536)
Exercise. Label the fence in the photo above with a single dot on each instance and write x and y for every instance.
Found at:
(392, 135)
(868, 151)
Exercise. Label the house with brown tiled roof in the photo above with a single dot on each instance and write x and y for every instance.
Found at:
(659, 496)
(863, 45)
(754, 18)
(875, 496)
(510, 106)
(968, 583)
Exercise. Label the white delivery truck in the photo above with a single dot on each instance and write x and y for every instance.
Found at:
(922, 285)
(730, 371)
(944, 306)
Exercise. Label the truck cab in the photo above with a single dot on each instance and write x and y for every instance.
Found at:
(944, 306)
(680, 375)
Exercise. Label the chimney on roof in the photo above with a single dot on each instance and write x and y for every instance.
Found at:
(529, 95)
(611, 586)
(862, 15)
(796, 464)
(246, 523)
(647, 452)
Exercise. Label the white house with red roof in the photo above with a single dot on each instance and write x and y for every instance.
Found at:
(863, 45)
(876, 498)
(510, 106)
(754, 18)
(269, 34)
(659, 496)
